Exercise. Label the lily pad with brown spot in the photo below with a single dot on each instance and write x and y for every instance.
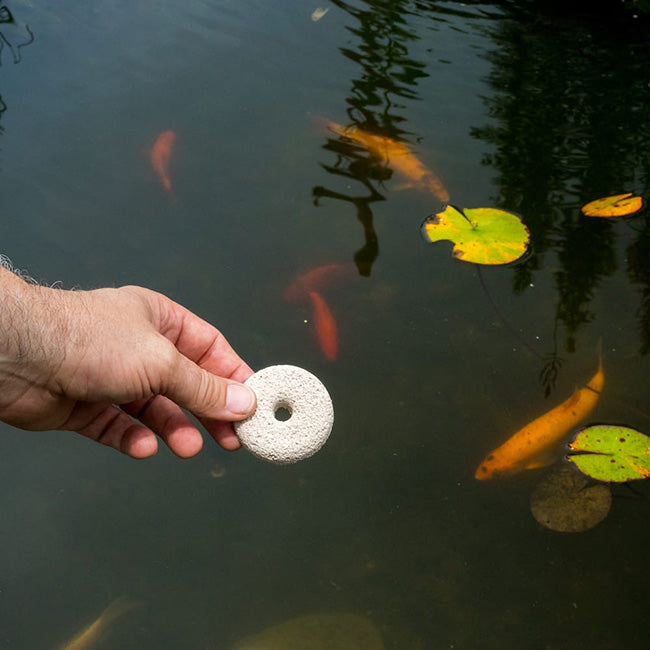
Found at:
(479, 235)
(609, 452)
(568, 502)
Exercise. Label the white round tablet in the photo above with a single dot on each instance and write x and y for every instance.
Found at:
(294, 415)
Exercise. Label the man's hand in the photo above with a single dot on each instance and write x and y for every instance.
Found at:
(117, 365)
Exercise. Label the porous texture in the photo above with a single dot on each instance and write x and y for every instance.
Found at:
(307, 428)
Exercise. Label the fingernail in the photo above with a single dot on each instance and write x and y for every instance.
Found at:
(239, 399)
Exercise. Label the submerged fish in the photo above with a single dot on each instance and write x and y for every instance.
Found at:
(315, 279)
(91, 633)
(316, 632)
(161, 154)
(398, 155)
(536, 445)
(326, 330)
(318, 13)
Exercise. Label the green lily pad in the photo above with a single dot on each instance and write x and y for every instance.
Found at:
(480, 235)
(611, 453)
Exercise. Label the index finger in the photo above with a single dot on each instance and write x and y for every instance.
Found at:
(200, 341)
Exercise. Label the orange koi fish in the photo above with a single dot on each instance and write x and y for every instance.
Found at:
(89, 636)
(315, 279)
(161, 153)
(536, 445)
(325, 326)
(398, 156)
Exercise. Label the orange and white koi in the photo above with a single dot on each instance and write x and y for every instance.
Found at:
(161, 154)
(398, 156)
(326, 330)
(539, 442)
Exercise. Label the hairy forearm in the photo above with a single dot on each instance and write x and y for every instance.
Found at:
(31, 320)
(13, 311)
(32, 338)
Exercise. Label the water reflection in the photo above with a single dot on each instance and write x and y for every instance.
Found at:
(638, 268)
(357, 169)
(570, 123)
(13, 33)
(387, 75)
(3, 108)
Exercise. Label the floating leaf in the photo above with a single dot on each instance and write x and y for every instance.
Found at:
(619, 205)
(563, 501)
(611, 453)
(480, 235)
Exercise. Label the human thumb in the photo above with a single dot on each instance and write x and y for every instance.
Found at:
(240, 400)
(207, 395)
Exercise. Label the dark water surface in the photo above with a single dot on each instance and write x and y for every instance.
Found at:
(513, 105)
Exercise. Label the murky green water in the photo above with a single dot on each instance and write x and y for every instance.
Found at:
(512, 105)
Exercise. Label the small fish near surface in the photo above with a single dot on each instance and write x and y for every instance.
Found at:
(161, 154)
(538, 443)
(326, 330)
(398, 156)
(316, 279)
(318, 13)
(91, 634)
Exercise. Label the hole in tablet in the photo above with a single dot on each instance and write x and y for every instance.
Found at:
(282, 413)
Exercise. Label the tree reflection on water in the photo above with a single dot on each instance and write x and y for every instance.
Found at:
(387, 76)
(569, 122)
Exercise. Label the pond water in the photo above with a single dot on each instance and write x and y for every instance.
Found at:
(523, 106)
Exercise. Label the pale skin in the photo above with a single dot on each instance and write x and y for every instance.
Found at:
(118, 366)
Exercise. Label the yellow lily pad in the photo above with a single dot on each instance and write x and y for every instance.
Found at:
(619, 205)
(480, 235)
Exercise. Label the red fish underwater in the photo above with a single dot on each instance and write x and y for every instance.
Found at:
(161, 154)
(326, 330)
(317, 278)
